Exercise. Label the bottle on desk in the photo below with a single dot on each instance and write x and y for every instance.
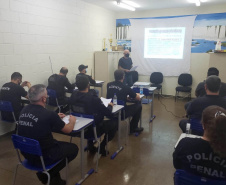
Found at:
(188, 128)
(141, 90)
(115, 99)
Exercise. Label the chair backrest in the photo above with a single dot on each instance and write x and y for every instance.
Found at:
(181, 177)
(26, 145)
(196, 127)
(6, 106)
(145, 91)
(156, 78)
(51, 93)
(53, 101)
(185, 79)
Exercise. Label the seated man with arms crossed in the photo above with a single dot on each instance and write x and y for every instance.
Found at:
(13, 91)
(85, 102)
(195, 108)
(122, 91)
(37, 123)
(58, 82)
(205, 156)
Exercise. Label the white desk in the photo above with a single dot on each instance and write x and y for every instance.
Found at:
(151, 90)
(80, 125)
(186, 135)
(117, 110)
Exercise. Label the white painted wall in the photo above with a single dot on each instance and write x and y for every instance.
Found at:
(199, 62)
(69, 31)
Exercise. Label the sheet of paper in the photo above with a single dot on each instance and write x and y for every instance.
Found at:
(141, 83)
(66, 119)
(99, 82)
(133, 68)
(105, 101)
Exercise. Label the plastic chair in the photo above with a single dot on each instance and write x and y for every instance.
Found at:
(96, 137)
(32, 146)
(6, 106)
(196, 127)
(182, 177)
(184, 80)
(53, 101)
(156, 79)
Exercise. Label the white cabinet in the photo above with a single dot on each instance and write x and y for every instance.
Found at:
(105, 63)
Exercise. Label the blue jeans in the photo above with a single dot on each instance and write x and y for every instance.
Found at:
(128, 79)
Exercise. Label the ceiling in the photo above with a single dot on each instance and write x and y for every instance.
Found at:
(152, 4)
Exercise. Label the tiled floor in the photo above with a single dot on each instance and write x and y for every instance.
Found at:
(145, 160)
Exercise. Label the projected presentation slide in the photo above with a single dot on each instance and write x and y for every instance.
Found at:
(164, 42)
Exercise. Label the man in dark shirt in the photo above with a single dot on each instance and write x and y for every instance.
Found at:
(83, 101)
(58, 82)
(196, 107)
(37, 123)
(13, 91)
(122, 91)
(82, 72)
(200, 89)
(125, 63)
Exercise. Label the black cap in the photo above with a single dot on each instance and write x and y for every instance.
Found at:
(81, 67)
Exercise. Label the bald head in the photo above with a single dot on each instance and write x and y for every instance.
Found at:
(126, 53)
(64, 71)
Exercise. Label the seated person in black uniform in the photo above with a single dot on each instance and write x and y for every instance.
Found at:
(122, 91)
(125, 63)
(85, 102)
(37, 123)
(58, 82)
(205, 156)
(195, 108)
(200, 89)
(13, 91)
(82, 72)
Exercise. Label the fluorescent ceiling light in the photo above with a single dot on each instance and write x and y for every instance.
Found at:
(123, 5)
(131, 3)
(198, 3)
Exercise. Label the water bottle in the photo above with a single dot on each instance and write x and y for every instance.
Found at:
(188, 128)
(115, 99)
(141, 90)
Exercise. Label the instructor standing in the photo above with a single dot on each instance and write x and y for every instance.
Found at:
(125, 63)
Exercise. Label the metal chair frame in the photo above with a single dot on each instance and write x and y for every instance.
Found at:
(32, 146)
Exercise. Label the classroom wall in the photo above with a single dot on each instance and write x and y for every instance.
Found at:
(199, 61)
(69, 31)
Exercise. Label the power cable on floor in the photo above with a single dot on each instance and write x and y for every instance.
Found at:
(170, 111)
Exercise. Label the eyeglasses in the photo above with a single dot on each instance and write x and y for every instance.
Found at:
(219, 113)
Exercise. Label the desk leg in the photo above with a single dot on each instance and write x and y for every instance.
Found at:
(152, 107)
(119, 136)
(141, 117)
(83, 175)
(82, 153)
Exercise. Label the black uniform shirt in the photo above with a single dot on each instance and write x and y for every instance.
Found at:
(197, 105)
(197, 156)
(93, 82)
(57, 83)
(200, 89)
(125, 63)
(121, 90)
(36, 122)
(91, 104)
(12, 92)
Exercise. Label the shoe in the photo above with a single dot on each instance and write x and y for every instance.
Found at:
(56, 180)
(136, 130)
(104, 153)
